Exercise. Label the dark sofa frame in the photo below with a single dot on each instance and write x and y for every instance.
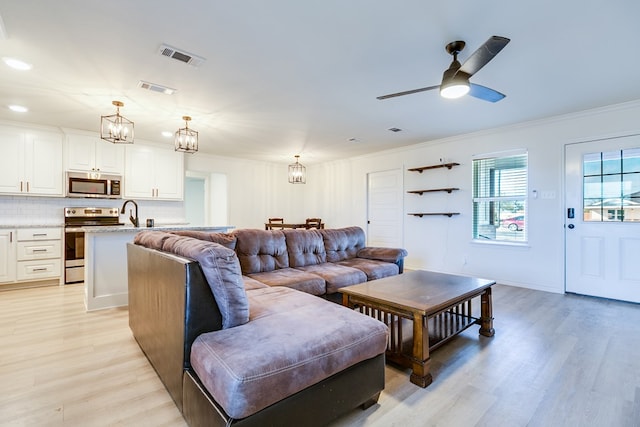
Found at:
(171, 304)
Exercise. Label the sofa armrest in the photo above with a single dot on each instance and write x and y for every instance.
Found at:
(394, 255)
(382, 254)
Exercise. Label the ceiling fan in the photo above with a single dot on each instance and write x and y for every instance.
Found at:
(455, 80)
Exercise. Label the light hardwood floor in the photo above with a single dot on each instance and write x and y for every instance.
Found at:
(556, 360)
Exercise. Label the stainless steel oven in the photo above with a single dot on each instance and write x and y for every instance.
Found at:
(75, 218)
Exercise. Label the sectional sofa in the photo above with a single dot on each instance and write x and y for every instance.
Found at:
(234, 326)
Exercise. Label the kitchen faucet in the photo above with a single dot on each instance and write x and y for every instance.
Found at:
(134, 220)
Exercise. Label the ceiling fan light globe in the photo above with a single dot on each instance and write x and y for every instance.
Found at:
(454, 90)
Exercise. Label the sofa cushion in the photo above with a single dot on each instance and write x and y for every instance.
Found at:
(261, 362)
(293, 278)
(250, 283)
(222, 271)
(343, 243)
(227, 240)
(372, 268)
(336, 276)
(305, 247)
(261, 250)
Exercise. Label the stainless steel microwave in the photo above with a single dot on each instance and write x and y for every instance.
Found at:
(94, 185)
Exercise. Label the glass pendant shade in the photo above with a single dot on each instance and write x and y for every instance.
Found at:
(186, 139)
(297, 173)
(116, 128)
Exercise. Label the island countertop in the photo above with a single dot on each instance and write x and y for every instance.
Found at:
(131, 228)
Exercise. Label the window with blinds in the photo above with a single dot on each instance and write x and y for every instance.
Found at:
(500, 197)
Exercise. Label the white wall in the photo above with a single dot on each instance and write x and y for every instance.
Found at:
(445, 244)
(336, 192)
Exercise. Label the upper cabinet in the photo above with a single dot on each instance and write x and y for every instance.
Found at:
(31, 162)
(91, 154)
(153, 173)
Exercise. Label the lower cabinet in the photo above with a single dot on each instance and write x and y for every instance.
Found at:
(30, 254)
(7, 256)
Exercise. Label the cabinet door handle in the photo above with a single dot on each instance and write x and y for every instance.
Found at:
(21, 186)
(39, 250)
(40, 269)
(11, 237)
(39, 234)
(27, 186)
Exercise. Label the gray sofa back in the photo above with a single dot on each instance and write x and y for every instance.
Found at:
(305, 247)
(343, 243)
(261, 250)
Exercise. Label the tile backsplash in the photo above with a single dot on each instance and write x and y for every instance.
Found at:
(24, 210)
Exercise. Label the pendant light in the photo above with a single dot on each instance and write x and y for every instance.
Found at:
(297, 172)
(116, 128)
(186, 139)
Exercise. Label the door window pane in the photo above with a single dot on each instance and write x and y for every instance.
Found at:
(611, 162)
(592, 164)
(631, 160)
(611, 186)
(592, 187)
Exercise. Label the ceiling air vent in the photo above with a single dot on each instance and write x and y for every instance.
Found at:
(181, 55)
(156, 87)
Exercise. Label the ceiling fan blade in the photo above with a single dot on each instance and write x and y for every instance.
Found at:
(485, 93)
(484, 54)
(407, 92)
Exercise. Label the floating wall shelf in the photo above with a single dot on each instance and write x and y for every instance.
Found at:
(421, 214)
(443, 165)
(448, 190)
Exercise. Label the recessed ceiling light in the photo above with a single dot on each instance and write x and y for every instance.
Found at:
(17, 64)
(167, 134)
(18, 108)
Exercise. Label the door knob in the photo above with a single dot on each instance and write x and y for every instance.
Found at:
(571, 226)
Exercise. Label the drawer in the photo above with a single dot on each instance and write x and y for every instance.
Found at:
(39, 269)
(39, 250)
(31, 234)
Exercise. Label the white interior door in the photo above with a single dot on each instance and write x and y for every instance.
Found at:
(384, 222)
(603, 237)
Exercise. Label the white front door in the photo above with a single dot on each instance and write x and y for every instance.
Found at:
(602, 240)
(384, 222)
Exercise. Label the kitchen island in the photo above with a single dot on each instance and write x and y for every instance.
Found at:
(105, 255)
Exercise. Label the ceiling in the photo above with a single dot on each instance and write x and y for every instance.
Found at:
(286, 77)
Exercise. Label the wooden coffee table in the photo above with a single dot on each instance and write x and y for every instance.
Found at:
(423, 310)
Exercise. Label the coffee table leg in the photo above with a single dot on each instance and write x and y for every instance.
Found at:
(421, 363)
(486, 314)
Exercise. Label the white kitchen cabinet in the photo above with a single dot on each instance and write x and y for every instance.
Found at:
(31, 162)
(7, 256)
(31, 254)
(153, 173)
(88, 153)
(39, 254)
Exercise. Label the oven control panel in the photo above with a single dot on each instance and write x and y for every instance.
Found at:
(80, 212)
